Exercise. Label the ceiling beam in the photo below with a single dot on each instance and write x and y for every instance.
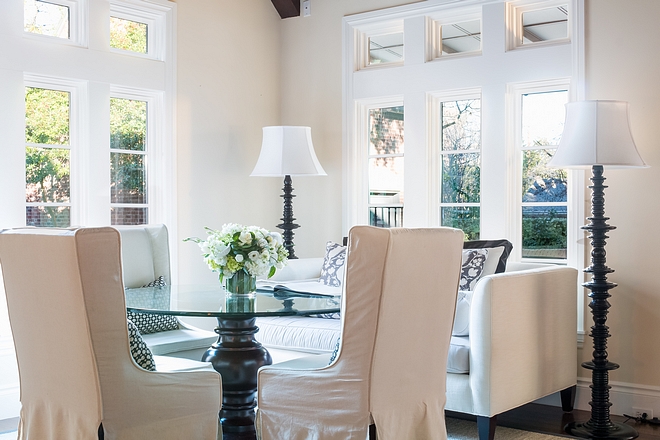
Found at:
(287, 8)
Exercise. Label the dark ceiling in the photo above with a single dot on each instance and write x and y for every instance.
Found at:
(287, 8)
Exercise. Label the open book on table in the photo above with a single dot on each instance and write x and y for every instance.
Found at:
(311, 286)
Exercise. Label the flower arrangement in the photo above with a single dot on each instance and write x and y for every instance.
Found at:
(236, 248)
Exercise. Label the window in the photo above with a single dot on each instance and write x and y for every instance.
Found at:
(128, 35)
(62, 21)
(128, 174)
(45, 18)
(538, 23)
(460, 151)
(386, 48)
(544, 190)
(47, 157)
(386, 166)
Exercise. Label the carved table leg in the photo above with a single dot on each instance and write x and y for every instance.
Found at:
(237, 356)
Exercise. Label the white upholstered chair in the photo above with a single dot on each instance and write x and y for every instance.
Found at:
(145, 257)
(78, 380)
(398, 306)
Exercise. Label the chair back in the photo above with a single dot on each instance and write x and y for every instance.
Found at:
(399, 301)
(145, 254)
(68, 317)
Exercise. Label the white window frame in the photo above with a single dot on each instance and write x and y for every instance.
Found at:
(435, 151)
(156, 146)
(434, 28)
(515, 11)
(154, 16)
(78, 24)
(78, 111)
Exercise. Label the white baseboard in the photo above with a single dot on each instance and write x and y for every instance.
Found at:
(623, 396)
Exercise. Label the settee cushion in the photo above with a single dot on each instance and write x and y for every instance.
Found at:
(332, 271)
(462, 314)
(183, 339)
(311, 335)
(458, 360)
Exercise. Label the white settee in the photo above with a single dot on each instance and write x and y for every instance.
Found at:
(522, 342)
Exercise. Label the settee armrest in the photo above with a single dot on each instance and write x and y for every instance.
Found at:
(523, 337)
(299, 269)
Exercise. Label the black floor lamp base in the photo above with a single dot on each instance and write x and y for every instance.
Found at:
(599, 426)
(287, 224)
(615, 431)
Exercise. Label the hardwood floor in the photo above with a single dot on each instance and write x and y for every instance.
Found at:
(551, 420)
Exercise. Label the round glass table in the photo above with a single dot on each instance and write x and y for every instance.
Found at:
(236, 355)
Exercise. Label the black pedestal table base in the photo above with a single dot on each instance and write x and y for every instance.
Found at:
(237, 356)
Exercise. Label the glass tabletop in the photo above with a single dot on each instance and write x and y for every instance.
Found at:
(213, 300)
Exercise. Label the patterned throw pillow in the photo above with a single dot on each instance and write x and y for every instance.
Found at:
(150, 323)
(139, 350)
(332, 271)
(473, 266)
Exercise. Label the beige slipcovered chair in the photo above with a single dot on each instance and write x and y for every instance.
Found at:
(77, 377)
(398, 306)
(145, 255)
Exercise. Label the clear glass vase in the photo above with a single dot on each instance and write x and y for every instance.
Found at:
(241, 292)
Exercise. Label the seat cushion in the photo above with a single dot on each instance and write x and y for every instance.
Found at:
(179, 340)
(312, 335)
(458, 360)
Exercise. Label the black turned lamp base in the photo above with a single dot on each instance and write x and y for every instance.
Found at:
(287, 224)
(614, 431)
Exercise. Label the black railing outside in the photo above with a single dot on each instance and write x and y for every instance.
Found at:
(386, 216)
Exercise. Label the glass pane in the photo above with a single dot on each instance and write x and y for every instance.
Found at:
(461, 125)
(461, 37)
(129, 216)
(386, 180)
(544, 231)
(386, 216)
(48, 216)
(545, 24)
(543, 118)
(128, 35)
(541, 183)
(465, 218)
(128, 124)
(46, 18)
(127, 178)
(461, 174)
(386, 130)
(386, 48)
(46, 116)
(47, 175)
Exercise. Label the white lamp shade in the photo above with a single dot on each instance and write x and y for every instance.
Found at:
(596, 133)
(287, 150)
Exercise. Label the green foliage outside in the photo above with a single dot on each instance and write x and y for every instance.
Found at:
(544, 231)
(128, 132)
(128, 35)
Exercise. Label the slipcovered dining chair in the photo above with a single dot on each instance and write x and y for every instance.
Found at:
(397, 313)
(77, 377)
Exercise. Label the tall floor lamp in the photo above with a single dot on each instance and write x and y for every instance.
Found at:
(287, 151)
(596, 135)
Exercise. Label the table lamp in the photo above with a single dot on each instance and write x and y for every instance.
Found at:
(287, 151)
(596, 135)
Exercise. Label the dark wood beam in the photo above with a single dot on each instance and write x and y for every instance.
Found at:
(287, 8)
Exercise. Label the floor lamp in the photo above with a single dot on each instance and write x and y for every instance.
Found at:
(287, 151)
(596, 135)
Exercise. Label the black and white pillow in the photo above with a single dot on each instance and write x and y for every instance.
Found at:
(150, 323)
(332, 271)
(473, 266)
(139, 350)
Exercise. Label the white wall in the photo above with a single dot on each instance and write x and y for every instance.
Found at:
(228, 89)
(622, 63)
